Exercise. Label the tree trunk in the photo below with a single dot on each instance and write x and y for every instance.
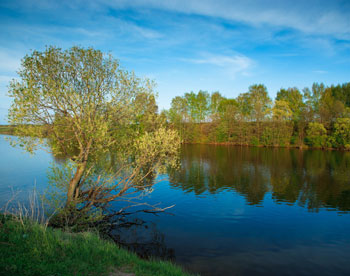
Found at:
(74, 183)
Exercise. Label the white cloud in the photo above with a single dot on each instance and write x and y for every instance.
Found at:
(320, 71)
(313, 16)
(132, 28)
(241, 62)
(232, 65)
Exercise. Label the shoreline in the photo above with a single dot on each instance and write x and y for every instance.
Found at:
(303, 147)
(299, 147)
(30, 248)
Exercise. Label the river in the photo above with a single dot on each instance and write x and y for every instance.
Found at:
(238, 210)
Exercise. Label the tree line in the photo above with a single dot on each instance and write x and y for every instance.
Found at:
(317, 117)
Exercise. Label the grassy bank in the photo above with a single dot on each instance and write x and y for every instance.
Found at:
(32, 249)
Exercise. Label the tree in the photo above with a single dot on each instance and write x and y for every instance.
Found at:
(342, 93)
(313, 96)
(250, 119)
(316, 135)
(330, 108)
(215, 102)
(178, 115)
(282, 116)
(342, 132)
(228, 116)
(87, 106)
(260, 103)
(147, 118)
(243, 117)
(198, 105)
(281, 111)
(294, 99)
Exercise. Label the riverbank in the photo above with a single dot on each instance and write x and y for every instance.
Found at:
(300, 147)
(10, 130)
(6, 129)
(28, 248)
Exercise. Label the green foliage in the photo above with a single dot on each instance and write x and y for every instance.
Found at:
(259, 102)
(267, 137)
(313, 96)
(32, 249)
(221, 133)
(331, 142)
(158, 149)
(79, 95)
(107, 107)
(341, 92)
(256, 105)
(294, 99)
(316, 135)
(252, 119)
(98, 116)
(254, 141)
(278, 134)
(281, 111)
(188, 113)
(330, 108)
(342, 132)
(198, 105)
(147, 118)
(215, 102)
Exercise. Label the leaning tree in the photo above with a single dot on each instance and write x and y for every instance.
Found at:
(79, 103)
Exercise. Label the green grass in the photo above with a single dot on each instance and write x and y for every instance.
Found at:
(32, 249)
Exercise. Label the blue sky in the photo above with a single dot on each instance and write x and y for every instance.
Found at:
(187, 45)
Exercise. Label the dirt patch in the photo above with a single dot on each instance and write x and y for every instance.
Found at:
(116, 272)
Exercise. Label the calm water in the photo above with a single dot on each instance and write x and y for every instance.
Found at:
(239, 211)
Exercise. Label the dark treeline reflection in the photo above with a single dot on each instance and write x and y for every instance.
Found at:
(144, 239)
(310, 178)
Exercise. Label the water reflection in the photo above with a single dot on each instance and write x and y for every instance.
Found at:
(311, 179)
(218, 227)
(143, 238)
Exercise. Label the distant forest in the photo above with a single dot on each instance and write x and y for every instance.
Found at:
(317, 117)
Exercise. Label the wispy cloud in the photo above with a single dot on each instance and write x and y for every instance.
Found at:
(189, 44)
(131, 28)
(241, 62)
(285, 55)
(233, 65)
(320, 71)
(313, 16)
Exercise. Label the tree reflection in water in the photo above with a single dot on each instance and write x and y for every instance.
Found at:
(143, 238)
(312, 179)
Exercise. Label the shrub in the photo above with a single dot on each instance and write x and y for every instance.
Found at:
(341, 132)
(316, 135)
